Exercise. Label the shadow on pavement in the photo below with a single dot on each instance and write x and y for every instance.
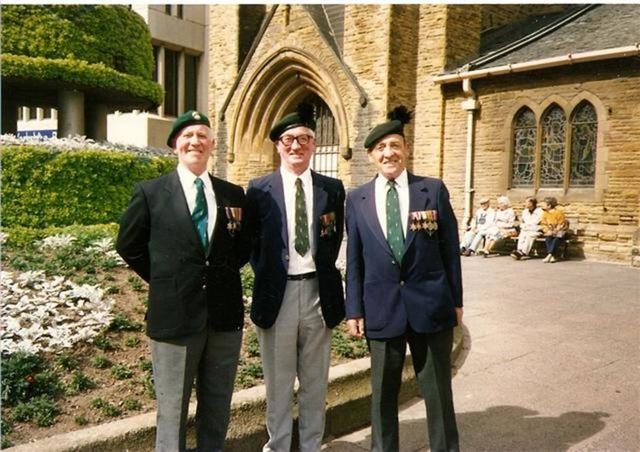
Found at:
(500, 428)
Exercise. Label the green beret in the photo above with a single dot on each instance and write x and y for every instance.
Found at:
(186, 119)
(303, 116)
(398, 117)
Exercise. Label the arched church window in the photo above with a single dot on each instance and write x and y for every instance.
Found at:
(524, 148)
(554, 124)
(325, 158)
(584, 124)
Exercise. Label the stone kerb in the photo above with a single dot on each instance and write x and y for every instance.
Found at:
(348, 401)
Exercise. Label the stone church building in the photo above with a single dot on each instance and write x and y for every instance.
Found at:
(522, 100)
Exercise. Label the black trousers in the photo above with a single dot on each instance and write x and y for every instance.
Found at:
(431, 355)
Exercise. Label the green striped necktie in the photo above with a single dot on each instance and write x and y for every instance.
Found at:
(395, 237)
(302, 225)
(200, 215)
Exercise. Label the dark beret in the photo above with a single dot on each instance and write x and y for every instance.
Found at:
(303, 116)
(186, 119)
(398, 117)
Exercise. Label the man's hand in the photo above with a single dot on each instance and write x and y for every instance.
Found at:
(459, 312)
(356, 327)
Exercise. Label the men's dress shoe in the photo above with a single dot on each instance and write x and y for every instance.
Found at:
(462, 251)
(547, 259)
(552, 260)
(516, 255)
(467, 253)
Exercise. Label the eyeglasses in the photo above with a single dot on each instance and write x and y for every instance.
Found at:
(288, 140)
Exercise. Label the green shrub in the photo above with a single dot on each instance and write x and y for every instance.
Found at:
(121, 322)
(120, 89)
(80, 382)
(121, 372)
(251, 343)
(42, 410)
(346, 346)
(132, 404)
(25, 376)
(111, 35)
(100, 362)
(103, 343)
(81, 420)
(44, 187)
(67, 361)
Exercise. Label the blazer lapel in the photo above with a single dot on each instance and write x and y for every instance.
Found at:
(277, 193)
(221, 214)
(370, 214)
(320, 197)
(418, 199)
(182, 216)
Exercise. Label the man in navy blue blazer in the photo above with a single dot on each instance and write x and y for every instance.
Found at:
(404, 284)
(297, 215)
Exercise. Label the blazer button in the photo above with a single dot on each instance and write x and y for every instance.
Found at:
(393, 262)
(286, 258)
(207, 263)
(402, 283)
(204, 286)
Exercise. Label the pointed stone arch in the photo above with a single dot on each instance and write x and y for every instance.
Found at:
(275, 88)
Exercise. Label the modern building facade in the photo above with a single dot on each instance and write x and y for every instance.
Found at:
(179, 37)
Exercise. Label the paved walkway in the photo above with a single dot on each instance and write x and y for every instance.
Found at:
(554, 363)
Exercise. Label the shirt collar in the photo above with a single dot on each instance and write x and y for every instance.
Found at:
(289, 178)
(188, 178)
(402, 181)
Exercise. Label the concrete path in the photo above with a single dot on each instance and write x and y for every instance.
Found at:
(554, 363)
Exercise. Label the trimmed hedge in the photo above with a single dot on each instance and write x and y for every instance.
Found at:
(109, 34)
(79, 75)
(46, 187)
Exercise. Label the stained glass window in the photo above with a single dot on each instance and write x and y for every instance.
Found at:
(524, 146)
(553, 143)
(583, 146)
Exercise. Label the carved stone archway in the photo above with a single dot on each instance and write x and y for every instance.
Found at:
(282, 80)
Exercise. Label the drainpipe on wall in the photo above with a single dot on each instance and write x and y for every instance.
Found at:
(470, 104)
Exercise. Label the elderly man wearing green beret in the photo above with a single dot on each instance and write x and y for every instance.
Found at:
(297, 295)
(404, 285)
(182, 233)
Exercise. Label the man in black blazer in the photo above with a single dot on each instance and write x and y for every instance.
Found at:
(182, 233)
(404, 285)
(297, 295)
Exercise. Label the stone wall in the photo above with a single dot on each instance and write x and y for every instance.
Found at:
(605, 217)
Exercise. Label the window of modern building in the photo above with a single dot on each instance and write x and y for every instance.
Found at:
(325, 158)
(20, 114)
(47, 113)
(524, 148)
(33, 113)
(190, 82)
(156, 56)
(549, 164)
(179, 11)
(167, 9)
(171, 82)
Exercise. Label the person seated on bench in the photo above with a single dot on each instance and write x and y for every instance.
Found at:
(480, 223)
(529, 228)
(554, 227)
(503, 226)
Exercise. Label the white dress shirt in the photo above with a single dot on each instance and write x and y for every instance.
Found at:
(188, 182)
(381, 188)
(298, 264)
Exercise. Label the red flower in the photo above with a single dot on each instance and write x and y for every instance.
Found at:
(29, 378)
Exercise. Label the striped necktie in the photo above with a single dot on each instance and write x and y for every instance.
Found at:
(200, 215)
(302, 224)
(395, 237)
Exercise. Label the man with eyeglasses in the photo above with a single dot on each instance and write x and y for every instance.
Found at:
(404, 285)
(297, 217)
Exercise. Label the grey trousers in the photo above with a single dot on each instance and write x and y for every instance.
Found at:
(209, 357)
(431, 354)
(298, 344)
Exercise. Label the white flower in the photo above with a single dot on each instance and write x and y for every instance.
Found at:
(3, 238)
(57, 241)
